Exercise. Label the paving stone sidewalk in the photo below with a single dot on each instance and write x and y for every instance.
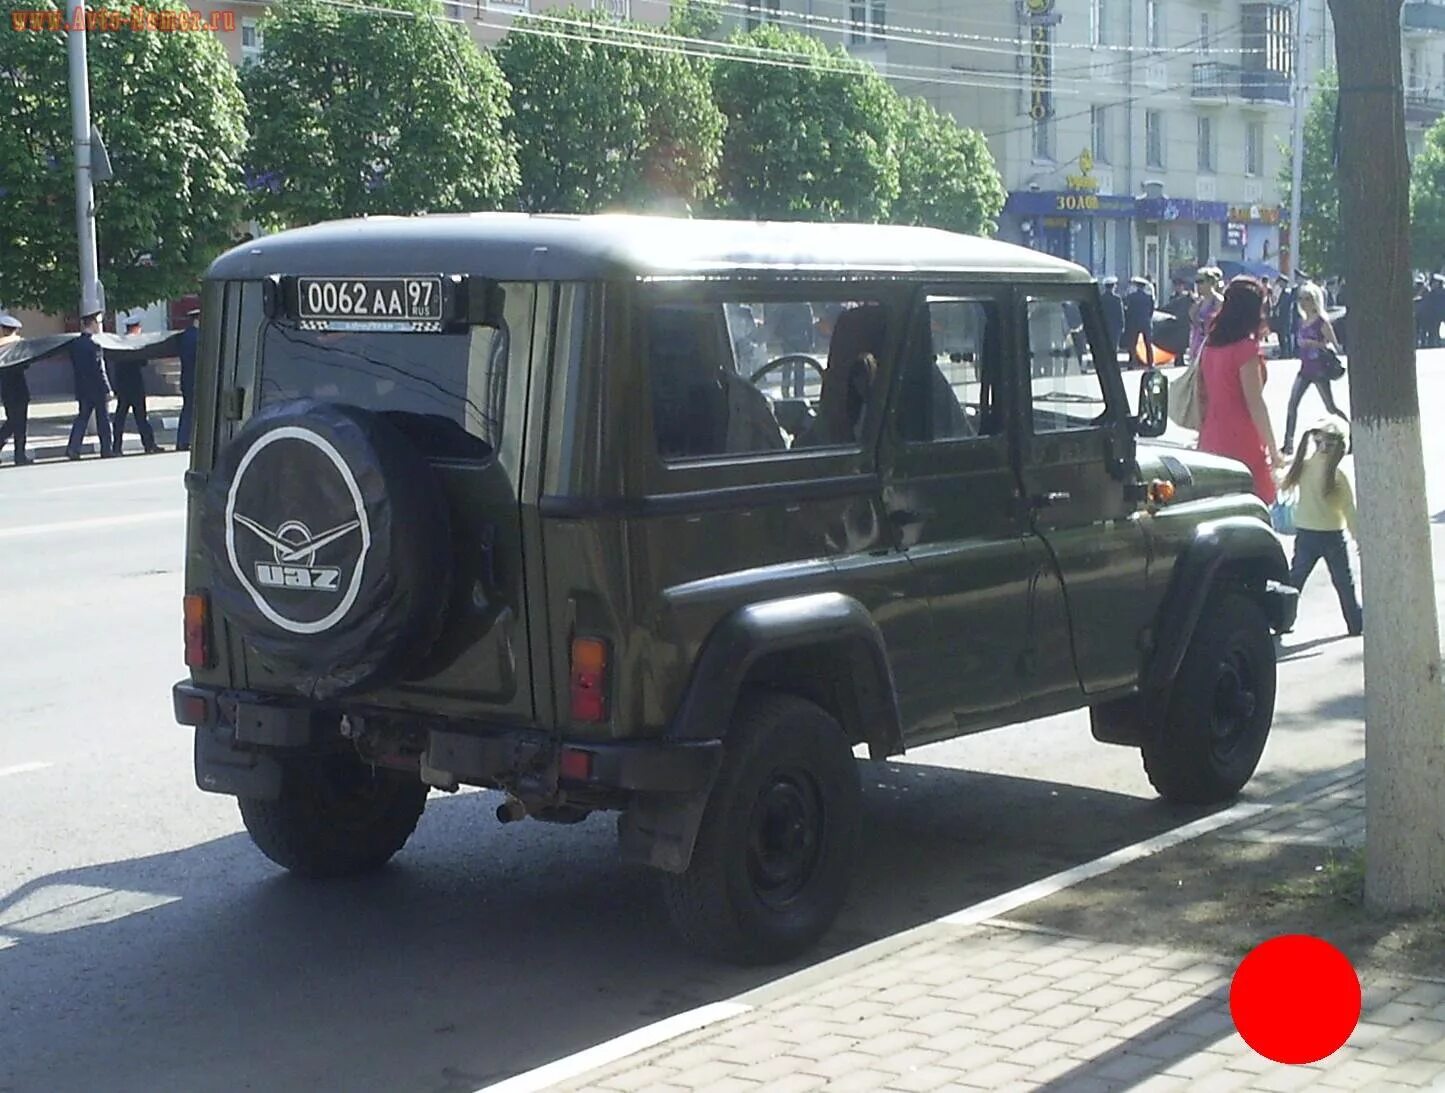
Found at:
(1006, 1006)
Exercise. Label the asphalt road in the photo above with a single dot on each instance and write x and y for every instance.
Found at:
(145, 945)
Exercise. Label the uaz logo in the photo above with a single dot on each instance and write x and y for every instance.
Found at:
(294, 549)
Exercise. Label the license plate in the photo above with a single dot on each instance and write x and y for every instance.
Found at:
(369, 299)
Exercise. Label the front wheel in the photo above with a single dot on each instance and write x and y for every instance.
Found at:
(774, 854)
(335, 816)
(1220, 709)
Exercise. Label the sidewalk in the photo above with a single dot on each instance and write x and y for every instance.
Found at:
(49, 427)
(1010, 1004)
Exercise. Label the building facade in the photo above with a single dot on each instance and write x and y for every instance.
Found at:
(1133, 136)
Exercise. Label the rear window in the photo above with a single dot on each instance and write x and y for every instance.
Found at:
(445, 391)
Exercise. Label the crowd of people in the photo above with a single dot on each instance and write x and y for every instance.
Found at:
(1235, 422)
(96, 382)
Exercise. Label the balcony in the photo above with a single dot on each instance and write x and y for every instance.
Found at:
(1426, 15)
(1215, 81)
(1424, 106)
(1263, 85)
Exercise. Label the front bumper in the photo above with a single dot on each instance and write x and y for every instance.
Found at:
(1281, 605)
(239, 737)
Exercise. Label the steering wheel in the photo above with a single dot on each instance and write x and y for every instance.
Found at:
(785, 360)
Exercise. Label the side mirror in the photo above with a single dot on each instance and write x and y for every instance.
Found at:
(1153, 416)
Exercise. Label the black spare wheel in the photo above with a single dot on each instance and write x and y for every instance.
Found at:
(328, 542)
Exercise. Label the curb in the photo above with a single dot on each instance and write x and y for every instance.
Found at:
(649, 1036)
(54, 448)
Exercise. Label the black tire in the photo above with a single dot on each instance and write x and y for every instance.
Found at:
(335, 816)
(1220, 708)
(774, 855)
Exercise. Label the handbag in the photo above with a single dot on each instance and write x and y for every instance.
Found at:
(1331, 367)
(1281, 516)
(1186, 409)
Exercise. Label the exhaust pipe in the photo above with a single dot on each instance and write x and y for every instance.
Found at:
(511, 810)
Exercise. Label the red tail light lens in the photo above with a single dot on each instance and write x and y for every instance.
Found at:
(589, 680)
(198, 642)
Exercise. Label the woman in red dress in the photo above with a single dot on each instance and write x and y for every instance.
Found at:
(1231, 372)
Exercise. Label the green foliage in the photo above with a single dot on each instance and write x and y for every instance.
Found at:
(1427, 201)
(947, 175)
(603, 124)
(358, 112)
(810, 140)
(696, 19)
(168, 107)
(1321, 246)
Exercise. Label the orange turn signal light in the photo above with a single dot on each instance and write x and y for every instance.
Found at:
(198, 641)
(1160, 492)
(589, 680)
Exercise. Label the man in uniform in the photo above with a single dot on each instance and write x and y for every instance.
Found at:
(14, 394)
(189, 339)
(1139, 322)
(1113, 312)
(130, 397)
(87, 361)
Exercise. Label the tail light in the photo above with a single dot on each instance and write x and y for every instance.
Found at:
(198, 638)
(589, 679)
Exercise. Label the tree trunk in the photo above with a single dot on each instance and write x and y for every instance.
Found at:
(1404, 698)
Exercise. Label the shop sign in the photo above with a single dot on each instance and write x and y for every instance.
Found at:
(1258, 214)
(1084, 180)
(1236, 235)
(1070, 203)
(1041, 57)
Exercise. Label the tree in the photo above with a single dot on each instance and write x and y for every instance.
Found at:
(360, 111)
(1427, 201)
(1404, 700)
(696, 19)
(173, 120)
(946, 174)
(811, 136)
(604, 119)
(1321, 247)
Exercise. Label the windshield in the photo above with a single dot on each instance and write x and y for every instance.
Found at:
(444, 391)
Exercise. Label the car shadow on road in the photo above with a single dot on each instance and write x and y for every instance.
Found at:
(480, 952)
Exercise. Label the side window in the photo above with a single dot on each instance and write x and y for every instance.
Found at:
(751, 376)
(1067, 392)
(950, 386)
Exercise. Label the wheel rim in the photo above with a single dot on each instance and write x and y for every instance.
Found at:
(1236, 699)
(785, 836)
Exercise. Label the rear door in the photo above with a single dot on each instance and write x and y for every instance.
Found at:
(1079, 475)
(951, 499)
(460, 397)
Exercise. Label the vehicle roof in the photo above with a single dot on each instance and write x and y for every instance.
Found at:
(535, 246)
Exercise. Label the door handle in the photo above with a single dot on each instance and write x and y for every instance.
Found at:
(1055, 497)
(901, 517)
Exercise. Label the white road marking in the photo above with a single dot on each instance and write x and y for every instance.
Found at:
(23, 768)
(630, 1043)
(19, 495)
(95, 522)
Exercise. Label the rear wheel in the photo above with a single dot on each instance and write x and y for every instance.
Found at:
(1220, 709)
(335, 816)
(774, 854)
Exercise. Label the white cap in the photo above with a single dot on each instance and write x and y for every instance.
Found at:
(6, 319)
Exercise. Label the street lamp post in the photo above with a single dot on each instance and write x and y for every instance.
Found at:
(1298, 165)
(92, 295)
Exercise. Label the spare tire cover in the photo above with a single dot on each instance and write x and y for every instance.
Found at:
(328, 542)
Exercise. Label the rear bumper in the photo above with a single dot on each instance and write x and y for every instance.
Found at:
(239, 737)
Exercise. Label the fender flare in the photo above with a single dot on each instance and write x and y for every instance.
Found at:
(1227, 543)
(660, 829)
(757, 630)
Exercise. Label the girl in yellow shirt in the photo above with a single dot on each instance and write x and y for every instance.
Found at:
(1324, 508)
